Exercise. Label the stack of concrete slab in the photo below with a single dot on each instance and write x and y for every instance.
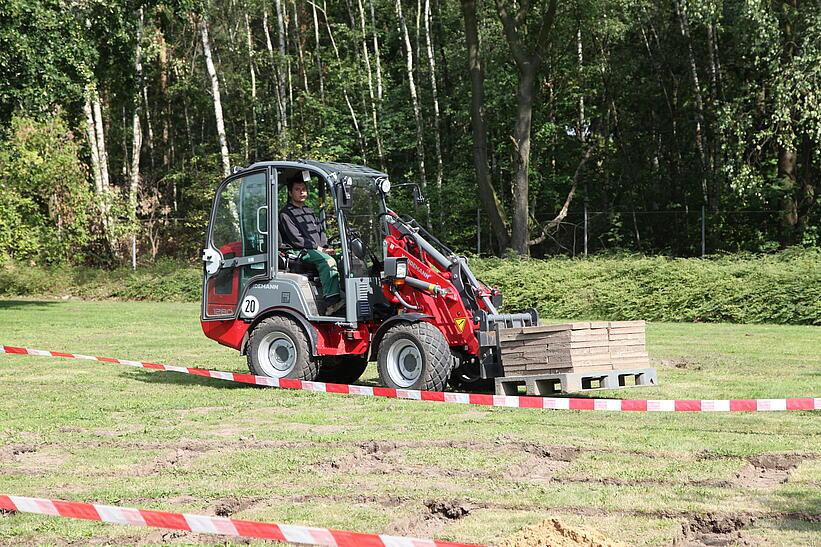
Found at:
(573, 347)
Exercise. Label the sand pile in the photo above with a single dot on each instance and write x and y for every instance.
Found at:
(555, 533)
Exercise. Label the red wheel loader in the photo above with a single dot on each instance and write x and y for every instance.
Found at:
(411, 304)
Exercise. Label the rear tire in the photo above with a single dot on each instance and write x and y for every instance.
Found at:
(278, 348)
(342, 369)
(414, 356)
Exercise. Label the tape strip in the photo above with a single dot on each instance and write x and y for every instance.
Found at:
(206, 524)
(507, 401)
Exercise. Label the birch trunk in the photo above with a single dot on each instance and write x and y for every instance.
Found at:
(436, 123)
(318, 54)
(376, 54)
(281, 122)
(253, 73)
(92, 144)
(136, 135)
(417, 111)
(303, 70)
(374, 113)
(284, 79)
(100, 134)
(215, 89)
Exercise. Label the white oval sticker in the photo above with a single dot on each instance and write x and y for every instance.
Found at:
(250, 306)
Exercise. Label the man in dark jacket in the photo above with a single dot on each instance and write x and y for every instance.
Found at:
(300, 228)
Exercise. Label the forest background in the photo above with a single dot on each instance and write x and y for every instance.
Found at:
(521, 118)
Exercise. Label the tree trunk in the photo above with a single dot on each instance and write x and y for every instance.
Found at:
(527, 50)
(521, 154)
(253, 73)
(136, 135)
(215, 89)
(281, 120)
(436, 122)
(286, 79)
(376, 54)
(417, 111)
(162, 57)
(318, 54)
(100, 134)
(787, 164)
(92, 144)
(684, 27)
(487, 194)
(374, 113)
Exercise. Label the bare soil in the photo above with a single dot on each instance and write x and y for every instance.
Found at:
(555, 533)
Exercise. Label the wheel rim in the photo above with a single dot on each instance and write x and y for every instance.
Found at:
(404, 363)
(277, 354)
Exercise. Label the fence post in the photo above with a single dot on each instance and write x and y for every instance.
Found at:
(703, 232)
(585, 228)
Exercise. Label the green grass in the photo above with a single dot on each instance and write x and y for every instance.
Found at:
(112, 434)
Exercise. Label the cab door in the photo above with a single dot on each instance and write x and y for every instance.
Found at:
(236, 250)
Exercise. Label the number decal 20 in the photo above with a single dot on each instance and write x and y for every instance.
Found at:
(250, 306)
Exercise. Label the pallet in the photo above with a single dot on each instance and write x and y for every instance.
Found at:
(571, 382)
(573, 347)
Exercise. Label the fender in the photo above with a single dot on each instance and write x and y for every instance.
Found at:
(388, 323)
(306, 326)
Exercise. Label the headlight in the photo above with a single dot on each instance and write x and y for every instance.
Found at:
(401, 269)
(384, 185)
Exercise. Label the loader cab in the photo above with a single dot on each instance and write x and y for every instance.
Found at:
(249, 272)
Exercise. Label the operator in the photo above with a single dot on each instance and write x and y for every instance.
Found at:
(300, 228)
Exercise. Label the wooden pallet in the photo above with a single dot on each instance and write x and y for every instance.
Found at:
(571, 382)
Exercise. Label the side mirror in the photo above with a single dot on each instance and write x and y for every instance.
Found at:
(358, 248)
(344, 194)
(417, 196)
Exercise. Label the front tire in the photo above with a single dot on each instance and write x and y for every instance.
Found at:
(414, 356)
(278, 348)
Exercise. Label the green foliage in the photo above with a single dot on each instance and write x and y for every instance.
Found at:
(782, 288)
(47, 201)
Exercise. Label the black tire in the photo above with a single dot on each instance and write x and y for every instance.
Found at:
(414, 356)
(278, 348)
(342, 369)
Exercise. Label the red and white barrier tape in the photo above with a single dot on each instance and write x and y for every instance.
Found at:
(206, 524)
(510, 401)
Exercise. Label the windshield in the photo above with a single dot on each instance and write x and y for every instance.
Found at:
(363, 222)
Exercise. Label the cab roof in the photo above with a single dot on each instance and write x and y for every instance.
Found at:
(328, 168)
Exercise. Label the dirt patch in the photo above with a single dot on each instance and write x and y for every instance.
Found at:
(227, 507)
(542, 463)
(367, 457)
(781, 462)
(555, 533)
(430, 520)
(768, 470)
(685, 364)
(715, 529)
(451, 510)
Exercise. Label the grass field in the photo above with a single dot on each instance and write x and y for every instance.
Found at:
(105, 433)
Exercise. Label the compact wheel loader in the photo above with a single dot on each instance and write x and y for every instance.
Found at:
(411, 304)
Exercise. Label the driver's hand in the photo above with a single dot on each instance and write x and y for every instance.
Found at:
(327, 250)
